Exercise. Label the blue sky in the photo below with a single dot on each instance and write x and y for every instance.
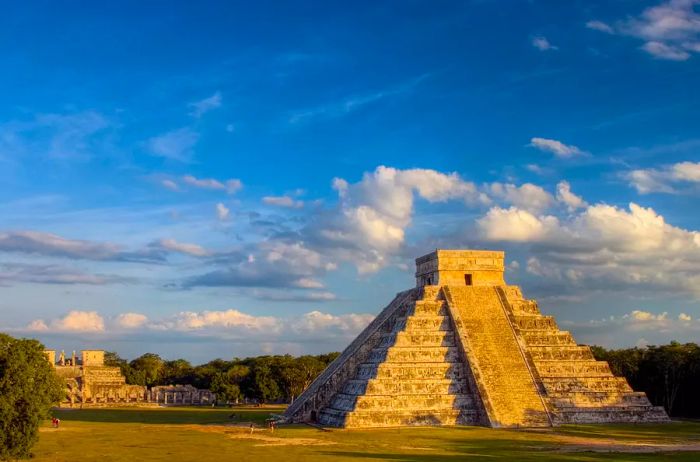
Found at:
(222, 179)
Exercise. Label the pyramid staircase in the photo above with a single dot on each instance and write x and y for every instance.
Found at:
(414, 376)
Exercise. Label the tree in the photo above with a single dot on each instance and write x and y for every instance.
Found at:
(147, 369)
(29, 387)
(177, 372)
(227, 385)
(296, 374)
(262, 383)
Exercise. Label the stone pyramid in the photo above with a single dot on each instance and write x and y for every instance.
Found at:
(464, 348)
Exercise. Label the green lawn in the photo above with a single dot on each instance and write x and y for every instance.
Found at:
(189, 434)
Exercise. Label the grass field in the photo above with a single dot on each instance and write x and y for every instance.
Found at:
(189, 434)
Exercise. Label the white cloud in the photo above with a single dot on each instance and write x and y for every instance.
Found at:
(534, 168)
(648, 181)
(369, 226)
(222, 212)
(308, 283)
(662, 50)
(37, 325)
(190, 320)
(230, 186)
(684, 317)
(571, 200)
(665, 179)
(203, 183)
(542, 44)
(174, 145)
(605, 246)
(233, 186)
(646, 316)
(131, 320)
(527, 196)
(222, 325)
(283, 201)
(514, 225)
(670, 30)
(74, 321)
(557, 148)
(170, 184)
(316, 321)
(600, 26)
(199, 108)
(686, 171)
(183, 247)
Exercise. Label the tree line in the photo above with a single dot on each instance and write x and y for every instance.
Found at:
(279, 378)
(668, 374)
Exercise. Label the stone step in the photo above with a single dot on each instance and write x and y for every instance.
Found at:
(404, 371)
(647, 414)
(428, 339)
(540, 338)
(558, 385)
(405, 387)
(546, 323)
(337, 418)
(598, 399)
(560, 352)
(513, 293)
(412, 354)
(423, 323)
(431, 293)
(528, 307)
(578, 369)
(348, 402)
(429, 308)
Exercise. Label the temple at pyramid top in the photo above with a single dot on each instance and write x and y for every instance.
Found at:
(460, 267)
(464, 347)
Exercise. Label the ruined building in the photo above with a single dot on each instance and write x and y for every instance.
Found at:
(463, 347)
(90, 383)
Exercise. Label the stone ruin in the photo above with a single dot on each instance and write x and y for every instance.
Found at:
(90, 383)
(465, 348)
(180, 395)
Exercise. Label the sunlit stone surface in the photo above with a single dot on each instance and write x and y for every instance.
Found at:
(464, 348)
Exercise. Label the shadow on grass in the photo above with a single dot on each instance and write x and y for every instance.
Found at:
(516, 456)
(473, 443)
(683, 430)
(166, 415)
